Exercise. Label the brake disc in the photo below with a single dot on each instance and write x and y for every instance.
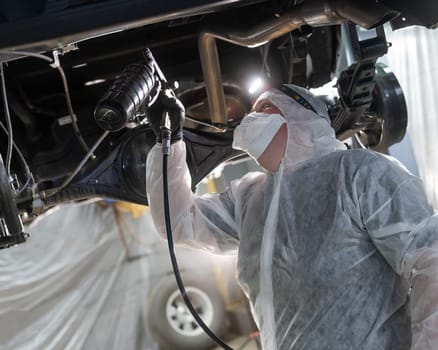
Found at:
(389, 105)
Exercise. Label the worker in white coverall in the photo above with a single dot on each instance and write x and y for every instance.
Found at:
(337, 249)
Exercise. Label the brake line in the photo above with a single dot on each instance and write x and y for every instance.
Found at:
(208, 331)
(74, 122)
(8, 123)
(29, 176)
(51, 192)
(9, 132)
(55, 64)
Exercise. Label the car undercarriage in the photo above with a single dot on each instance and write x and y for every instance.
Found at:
(60, 59)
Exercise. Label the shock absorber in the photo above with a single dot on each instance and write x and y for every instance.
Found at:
(11, 227)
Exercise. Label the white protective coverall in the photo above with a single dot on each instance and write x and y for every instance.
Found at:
(328, 246)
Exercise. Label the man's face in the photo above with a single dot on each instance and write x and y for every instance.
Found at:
(266, 106)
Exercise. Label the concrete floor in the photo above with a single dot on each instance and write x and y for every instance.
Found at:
(241, 343)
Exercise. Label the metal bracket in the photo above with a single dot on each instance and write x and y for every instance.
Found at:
(356, 83)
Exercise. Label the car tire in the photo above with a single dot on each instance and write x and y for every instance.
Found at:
(170, 321)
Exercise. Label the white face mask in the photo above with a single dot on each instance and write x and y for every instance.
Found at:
(256, 131)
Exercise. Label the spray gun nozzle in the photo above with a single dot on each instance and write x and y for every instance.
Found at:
(166, 133)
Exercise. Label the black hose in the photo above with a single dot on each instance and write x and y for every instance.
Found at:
(179, 281)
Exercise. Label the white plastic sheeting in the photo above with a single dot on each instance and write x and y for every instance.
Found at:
(413, 58)
(71, 285)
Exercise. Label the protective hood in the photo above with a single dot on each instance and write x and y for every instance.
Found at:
(309, 132)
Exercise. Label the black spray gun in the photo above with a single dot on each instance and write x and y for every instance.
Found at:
(143, 88)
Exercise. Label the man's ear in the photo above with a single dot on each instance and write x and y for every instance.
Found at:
(271, 158)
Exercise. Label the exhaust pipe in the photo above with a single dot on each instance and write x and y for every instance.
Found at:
(313, 13)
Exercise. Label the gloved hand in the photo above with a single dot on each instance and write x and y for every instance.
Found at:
(167, 102)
